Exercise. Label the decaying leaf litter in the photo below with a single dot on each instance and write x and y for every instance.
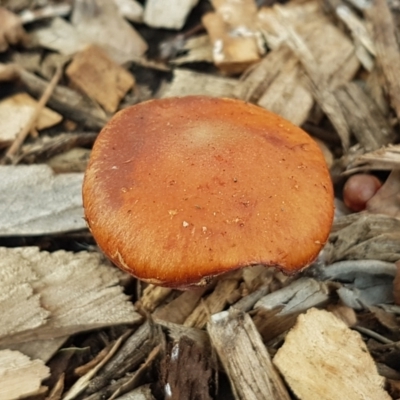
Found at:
(74, 327)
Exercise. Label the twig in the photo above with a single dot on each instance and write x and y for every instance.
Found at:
(372, 334)
(13, 149)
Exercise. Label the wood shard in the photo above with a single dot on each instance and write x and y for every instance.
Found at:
(168, 14)
(236, 44)
(19, 376)
(323, 359)
(187, 83)
(245, 358)
(15, 113)
(387, 48)
(189, 356)
(77, 292)
(92, 66)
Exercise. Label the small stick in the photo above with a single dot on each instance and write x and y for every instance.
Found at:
(13, 149)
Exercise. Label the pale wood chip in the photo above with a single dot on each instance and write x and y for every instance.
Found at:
(368, 124)
(35, 201)
(214, 303)
(168, 14)
(364, 236)
(188, 83)
(19, 376)
(387, 199)
(323, 359)
(91, 66)
(78, 291)
(153, 296)
(285, 90)
(234, 35)
(245, 358)
(386, 158)
(15, 113)
(180, 308)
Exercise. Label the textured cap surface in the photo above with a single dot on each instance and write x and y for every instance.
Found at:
(180, 189)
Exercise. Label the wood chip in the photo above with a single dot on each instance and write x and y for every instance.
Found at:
(364, 237)
(245, 358)
(20, 377)
(386, 158)
(196, 360)
(187, 83)
(67, 102)
(387, 199)
(387, 48)
(15, 113)
(93, 65)
(368, 124)
(214, 303)
(234, 35)
(55, 201)
(168, 14)
(73, 292)
(323, 359)
(283, 88)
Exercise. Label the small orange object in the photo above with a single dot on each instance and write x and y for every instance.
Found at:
(179, 190)
(358, 189)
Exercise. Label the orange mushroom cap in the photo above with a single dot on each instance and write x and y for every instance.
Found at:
(179, 190)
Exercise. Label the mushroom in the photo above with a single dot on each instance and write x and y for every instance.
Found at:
(179, 190)
(359, 189)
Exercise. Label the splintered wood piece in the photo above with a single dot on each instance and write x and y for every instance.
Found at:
(245, 358)
(168, 14)
(197, 49)
(386, 158)
(55, 201)
(141, 393)
(102, 24)
(132, 10)
(370, 127)
(387, 48)
(298, 296)
(364, 46)
(130, 355)
(196, 360)
(15, 113)
(323, 359)
(187, 83)
(284, 90)
(387, 199)
(153, 296)
(214, 303)
(276, 312)
(80, 385)
(99, 77)
(179, 309)
(67, 102)
(77, 291)
(236, 43)
(19, 376)
(364, 237)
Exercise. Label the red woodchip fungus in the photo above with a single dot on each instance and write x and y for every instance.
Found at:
(179, 190)
(358, 189)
